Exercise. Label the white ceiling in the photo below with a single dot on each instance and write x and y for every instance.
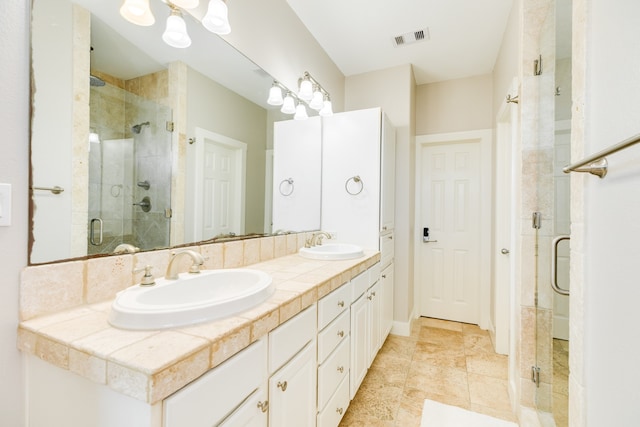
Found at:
(465, 35)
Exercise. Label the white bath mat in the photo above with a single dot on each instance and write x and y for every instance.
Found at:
(436, 414)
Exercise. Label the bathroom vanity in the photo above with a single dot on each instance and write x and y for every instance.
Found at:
(295, 360)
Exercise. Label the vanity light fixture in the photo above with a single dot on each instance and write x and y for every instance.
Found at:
(301, 112)
(288, 104)
(217, 18)
(137, 12)
(306, 89)
(327, 109)
(175, 34)
(275, 94)
(319, 99)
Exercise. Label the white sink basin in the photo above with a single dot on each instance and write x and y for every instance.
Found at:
(191, 299)
(333, 251)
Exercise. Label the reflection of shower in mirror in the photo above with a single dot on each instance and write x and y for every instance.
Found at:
(138, 128)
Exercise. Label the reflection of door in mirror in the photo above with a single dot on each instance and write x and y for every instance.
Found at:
(129, 164)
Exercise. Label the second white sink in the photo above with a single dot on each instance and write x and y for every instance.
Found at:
(191, 299)
(333, 251)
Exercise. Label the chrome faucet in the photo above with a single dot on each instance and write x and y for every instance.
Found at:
(316, 239)
(172, 268)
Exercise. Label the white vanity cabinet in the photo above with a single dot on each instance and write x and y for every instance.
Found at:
(368, 330)
(334, 325)
(224, 392)
(292, 368)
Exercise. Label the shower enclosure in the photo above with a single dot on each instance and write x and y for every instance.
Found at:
(129, 170)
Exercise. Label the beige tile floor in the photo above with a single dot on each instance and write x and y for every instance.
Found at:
(450, 362)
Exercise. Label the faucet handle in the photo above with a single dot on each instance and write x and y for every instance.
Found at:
(147, 279)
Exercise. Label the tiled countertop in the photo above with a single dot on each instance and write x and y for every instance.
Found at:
(151, 365)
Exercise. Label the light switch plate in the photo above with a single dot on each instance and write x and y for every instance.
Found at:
(5, 205)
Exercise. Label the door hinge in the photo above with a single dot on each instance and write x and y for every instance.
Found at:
(169, 126)
(168, 213)
(536, 220)
(537, 66)
(535, 375)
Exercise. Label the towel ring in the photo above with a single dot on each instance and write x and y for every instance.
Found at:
(290, 182)
(357, 180)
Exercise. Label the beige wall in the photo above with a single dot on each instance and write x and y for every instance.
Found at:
(213, 107)
(272, 36)
(394, 90)
(455, 105)
(14, 113)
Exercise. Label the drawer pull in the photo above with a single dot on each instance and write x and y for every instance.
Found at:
(341, 369)
(341, 334)
(282, 386)
(340, 303)
(373, 293)
(340, 411)
(370, 297)
(384, 276)
(264, 406)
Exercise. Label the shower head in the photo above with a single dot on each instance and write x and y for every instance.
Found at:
(95, 81)
(138, 128)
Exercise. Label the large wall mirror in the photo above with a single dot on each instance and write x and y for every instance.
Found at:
(137, 142)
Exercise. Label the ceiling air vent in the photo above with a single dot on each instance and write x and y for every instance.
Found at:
(410, 38)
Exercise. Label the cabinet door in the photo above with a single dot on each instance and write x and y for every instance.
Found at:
(292, 391)
(252, 413)
(359, 343)
(388, 179)
(386, 281)
(374, 298)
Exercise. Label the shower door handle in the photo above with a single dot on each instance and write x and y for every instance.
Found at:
(554, 265)
(92, 237)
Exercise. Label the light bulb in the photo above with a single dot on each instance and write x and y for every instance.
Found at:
(327, 109)
(175, 34)
(306, 90)
(301, 112)
(288, 105)
(275, 96)
(137, 12)
(317, 102)
(216, 19)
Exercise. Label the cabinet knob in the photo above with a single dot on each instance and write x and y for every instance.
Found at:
(282, 385)
(370, 297)
(373, 293)
(341, 334)
(341, 369)
(340, 411)
(340, 303)
(263, 406)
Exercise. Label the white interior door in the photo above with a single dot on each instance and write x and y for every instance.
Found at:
(450, 208)
(220, 172)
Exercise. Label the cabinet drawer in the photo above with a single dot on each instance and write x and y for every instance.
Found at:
(331, 415)
(386, 249)
(252, 412)
(332, 335)
(359, 284)
(287, 339)
(332, 372)
(333, 304)
(209, 399)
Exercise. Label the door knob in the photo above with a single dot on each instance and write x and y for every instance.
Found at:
(504, 251)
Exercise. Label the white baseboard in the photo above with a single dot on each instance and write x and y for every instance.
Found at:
(403, 328)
